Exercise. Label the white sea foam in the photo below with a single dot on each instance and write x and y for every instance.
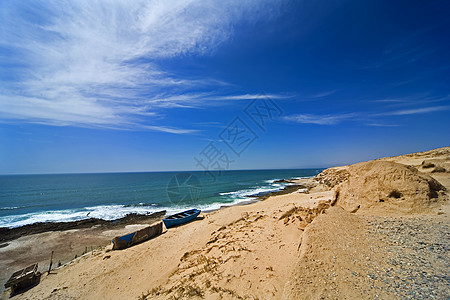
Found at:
(304, 177)
(246, 194)
(272, 180)
(10, 207)
(112, 212)
(105, 212)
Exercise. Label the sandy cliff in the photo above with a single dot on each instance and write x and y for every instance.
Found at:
(386, 236)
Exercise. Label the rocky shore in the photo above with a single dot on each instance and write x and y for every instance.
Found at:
(8, 234)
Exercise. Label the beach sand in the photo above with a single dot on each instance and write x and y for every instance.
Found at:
(293, 246)
(17, 253)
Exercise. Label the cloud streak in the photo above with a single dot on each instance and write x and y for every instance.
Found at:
(415, 111)
(369, 119)
(331, 119)
(200, 100)
(323, 94)
(98, 63)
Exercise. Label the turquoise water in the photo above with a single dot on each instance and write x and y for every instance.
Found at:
(26, 199)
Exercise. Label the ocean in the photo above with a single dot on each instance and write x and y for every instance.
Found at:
(27, 199)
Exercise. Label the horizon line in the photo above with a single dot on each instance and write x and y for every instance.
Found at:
(136, 172)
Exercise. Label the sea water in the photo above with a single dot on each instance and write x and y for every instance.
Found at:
(27, 199)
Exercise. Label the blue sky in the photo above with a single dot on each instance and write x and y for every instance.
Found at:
(105, 86)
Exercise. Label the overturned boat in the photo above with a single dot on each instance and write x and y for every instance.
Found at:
(125, 241)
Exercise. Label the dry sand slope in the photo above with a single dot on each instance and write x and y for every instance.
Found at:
(387, 236)
(376, 229)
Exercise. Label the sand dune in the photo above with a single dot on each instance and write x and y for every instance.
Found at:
(385, 187)
(386, 236)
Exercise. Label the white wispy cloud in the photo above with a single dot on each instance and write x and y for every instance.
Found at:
(195, 100)
(381, 125)
(330, 119)
(323, 94)
(425, 98)
(251, 97)
(392, 100)
(404, 51)
(365, 118)
(96, 63)
(414, 111)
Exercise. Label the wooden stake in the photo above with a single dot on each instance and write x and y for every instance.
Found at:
(51, 262)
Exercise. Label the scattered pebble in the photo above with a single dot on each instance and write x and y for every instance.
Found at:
(419, 257)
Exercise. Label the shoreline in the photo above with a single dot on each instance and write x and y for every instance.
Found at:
(145, 196)
(10, 233)
(70, 240)
(23, 246)
(226, 217)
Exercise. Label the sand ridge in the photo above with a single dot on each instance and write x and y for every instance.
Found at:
(385, 187)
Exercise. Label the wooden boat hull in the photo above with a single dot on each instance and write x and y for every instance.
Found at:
(125, 241)
(185, 217)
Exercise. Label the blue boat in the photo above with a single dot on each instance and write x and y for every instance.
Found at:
(181, 218)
